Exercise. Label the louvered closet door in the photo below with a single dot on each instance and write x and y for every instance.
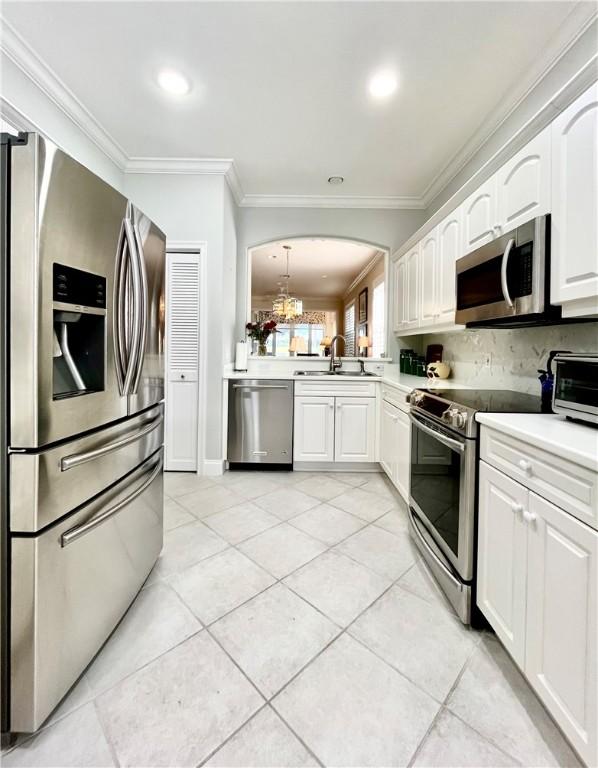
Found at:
(182, 360)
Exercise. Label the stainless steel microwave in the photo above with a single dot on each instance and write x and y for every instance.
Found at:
(575, 392)
(506, 283)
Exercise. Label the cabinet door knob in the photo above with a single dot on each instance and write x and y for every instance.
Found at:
(525, 466)
(182, 375)
(528, 516)
(516, 507)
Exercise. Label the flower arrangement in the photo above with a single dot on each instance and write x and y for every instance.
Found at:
(260, 332)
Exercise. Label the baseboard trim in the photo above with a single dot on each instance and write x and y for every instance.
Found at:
(336, 466)
(212, 467)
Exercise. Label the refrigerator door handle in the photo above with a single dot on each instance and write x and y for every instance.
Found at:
(137, 300)
(144, 309)
(76, 459)
(68, 537)
(119, 316)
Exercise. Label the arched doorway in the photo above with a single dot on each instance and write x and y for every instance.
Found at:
(340, 284)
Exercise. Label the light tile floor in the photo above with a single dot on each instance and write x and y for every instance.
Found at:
(290, 622)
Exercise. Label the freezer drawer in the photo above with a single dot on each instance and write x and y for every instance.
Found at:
(260, 421)
(46, 486)
(71, 585)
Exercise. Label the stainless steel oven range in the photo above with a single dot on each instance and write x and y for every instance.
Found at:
(443, 480)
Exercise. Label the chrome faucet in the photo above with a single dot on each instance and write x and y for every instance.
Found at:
(335, 364)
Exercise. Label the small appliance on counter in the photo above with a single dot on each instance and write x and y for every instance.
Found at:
(546, 378)
(575, 393)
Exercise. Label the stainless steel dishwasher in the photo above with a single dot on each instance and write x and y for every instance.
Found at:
(260, 422)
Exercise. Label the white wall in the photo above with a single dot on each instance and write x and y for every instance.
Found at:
(229, 267)
(194, 208)
(29, 108)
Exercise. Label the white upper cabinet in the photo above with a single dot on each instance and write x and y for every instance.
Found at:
(428, 258)
(412, 278)
(574, 270)
(449, 250)
(524, 184)
(479, 216)
(400, 294)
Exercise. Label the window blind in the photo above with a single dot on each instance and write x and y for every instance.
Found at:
(349, 333)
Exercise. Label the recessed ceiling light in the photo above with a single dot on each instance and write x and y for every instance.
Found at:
(383, 84)
(324, 275)
(173, 82)
(336, 179)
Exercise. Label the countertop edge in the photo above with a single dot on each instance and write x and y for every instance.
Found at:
(542, 435)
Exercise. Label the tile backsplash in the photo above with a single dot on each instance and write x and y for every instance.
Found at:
(515, 355)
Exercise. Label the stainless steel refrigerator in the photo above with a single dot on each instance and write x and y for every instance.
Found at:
(82, 346)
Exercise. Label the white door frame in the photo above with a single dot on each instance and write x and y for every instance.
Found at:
(199, 247)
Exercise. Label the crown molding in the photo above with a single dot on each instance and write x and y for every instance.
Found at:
(27, 60)
(332, 201)
(364, 272)
(582, 16)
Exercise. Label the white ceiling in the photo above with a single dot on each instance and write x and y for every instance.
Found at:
(309, 260)
(281, 87)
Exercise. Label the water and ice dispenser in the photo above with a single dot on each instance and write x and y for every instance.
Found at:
(79, 327)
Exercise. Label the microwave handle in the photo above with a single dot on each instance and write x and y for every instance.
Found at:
(503, 272)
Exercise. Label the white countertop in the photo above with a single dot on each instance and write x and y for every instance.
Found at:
(401, 381)
(551, 432)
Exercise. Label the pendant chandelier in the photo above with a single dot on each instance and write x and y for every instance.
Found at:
(284, 305)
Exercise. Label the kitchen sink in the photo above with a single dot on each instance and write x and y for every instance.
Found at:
(353, 373)
(313, 373)
(333, 373)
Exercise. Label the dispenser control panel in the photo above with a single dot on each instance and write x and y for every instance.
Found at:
(74, 286)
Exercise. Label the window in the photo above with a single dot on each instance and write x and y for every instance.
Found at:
(378, 321)
(349, 333)
(312, 333)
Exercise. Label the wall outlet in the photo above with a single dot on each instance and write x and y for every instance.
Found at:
(487, 360)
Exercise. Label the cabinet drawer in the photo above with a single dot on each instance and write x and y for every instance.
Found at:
(335, 388)
(395, 397)
(569, 486)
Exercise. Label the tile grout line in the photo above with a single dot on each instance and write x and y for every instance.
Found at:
(95, 697)
(111, 746)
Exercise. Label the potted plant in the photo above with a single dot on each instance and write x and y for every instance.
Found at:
(260, 332)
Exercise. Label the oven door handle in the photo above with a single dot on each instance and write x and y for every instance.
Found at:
(443, 566)
(503, 272)
(448, 441)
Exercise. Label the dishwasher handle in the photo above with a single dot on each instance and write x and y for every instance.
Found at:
(260, 386)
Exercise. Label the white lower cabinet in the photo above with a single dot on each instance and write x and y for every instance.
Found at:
(561, 638)
(538, 588)
(355, 429)
(341, 429)
(395, 446)
(314, 429)
(502, 558)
